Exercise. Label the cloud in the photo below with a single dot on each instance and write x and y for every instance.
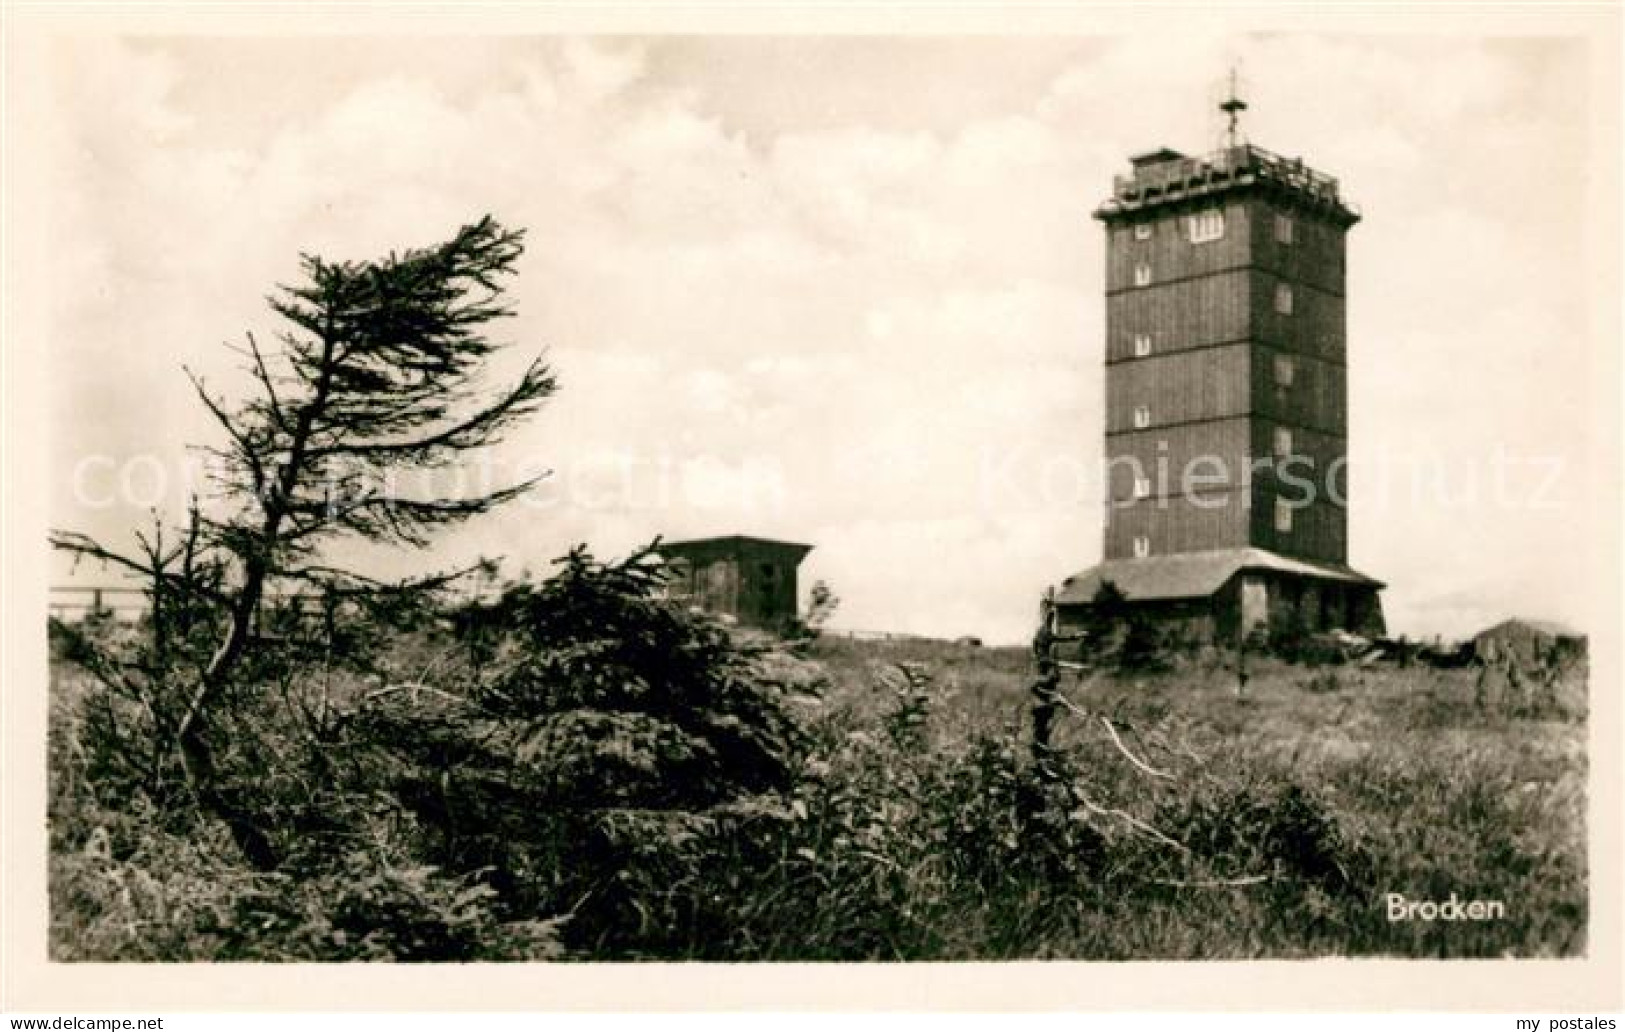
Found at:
(869, 317)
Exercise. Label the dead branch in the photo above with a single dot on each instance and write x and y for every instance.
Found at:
(379, 693)
(1131, 757)
(1129, 818)
(1214, 883)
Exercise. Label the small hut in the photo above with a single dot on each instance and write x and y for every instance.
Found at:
(748, 579)
(1529, 643)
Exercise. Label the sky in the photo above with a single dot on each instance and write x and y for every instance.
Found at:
(842, 290)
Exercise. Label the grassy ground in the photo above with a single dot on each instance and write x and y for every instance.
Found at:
(1435, 783)
(1185, 821)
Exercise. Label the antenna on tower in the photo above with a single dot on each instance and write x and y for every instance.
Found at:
(1232, 106)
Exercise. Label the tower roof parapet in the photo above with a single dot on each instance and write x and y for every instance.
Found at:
(1177, 178)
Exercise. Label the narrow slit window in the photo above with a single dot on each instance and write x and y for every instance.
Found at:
(1283, 441)
(1142, 275)
(1283, 229)
(1142, 547)
(1142, 487)
(1283, 516)
(1285, 371)
(1283, 298)
(1142, 416)
(1142, 345)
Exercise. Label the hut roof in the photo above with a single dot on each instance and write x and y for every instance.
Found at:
(1524, 625)
(730, 541)
(1192, 574)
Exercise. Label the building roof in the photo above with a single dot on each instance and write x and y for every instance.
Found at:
(1550, 628)
(730, 539)
(1192, 574)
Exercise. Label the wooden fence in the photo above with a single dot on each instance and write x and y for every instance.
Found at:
(72, 602)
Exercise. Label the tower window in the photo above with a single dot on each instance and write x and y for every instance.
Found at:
(1283, 441)
(1206, 226)
(1142, 275)
(1283, 516)
(1142, 345)
(1142, 487)
(1142, 416)
(1283, 229)
(1142, 547)
(1142, 231)
(1285, 370)
(1283, 298)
